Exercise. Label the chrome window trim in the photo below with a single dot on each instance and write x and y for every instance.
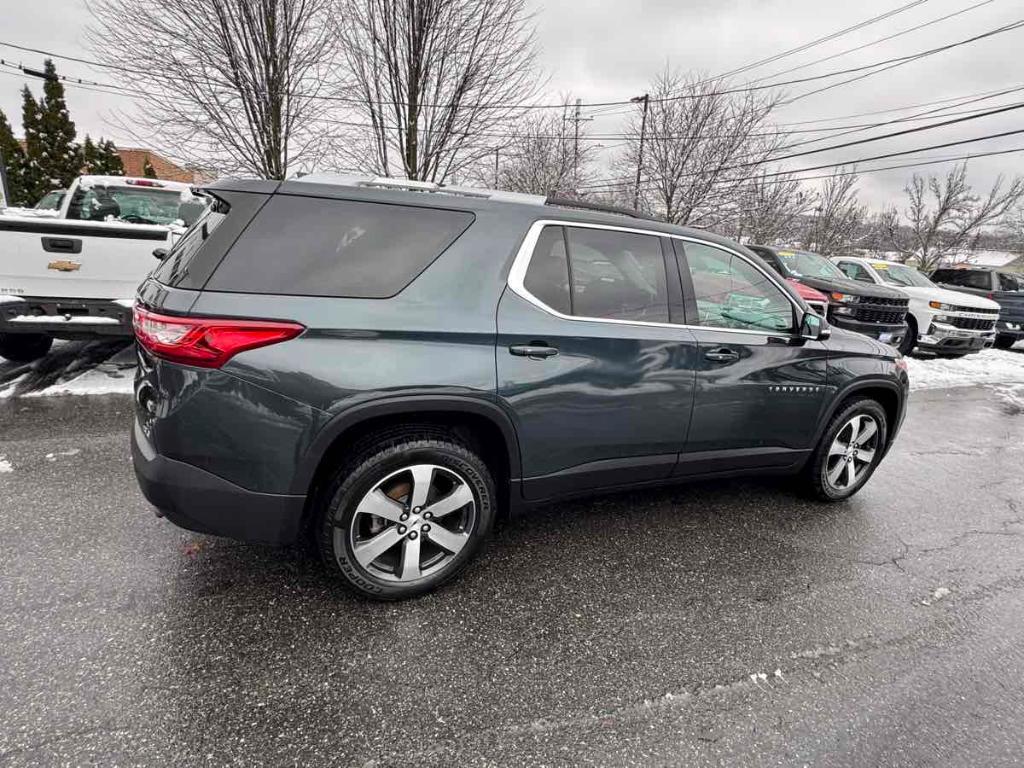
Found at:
(517, 276)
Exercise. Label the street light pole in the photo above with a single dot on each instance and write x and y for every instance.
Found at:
(645, 99)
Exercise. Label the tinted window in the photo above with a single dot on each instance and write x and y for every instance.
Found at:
(175, 264)
(967, 278)
(768, 258)
(1008, 282)
(855, 271)
(617, 275)
(305, 246)
(547, 277)
(730, 293)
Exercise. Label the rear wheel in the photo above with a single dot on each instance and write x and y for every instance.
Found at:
(849, 451)
(406, 514)
(24, 347)
(1005, 342)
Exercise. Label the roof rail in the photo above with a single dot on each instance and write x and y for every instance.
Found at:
(584, 205)
(386, 182)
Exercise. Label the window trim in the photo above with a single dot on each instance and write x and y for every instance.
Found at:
(521, 263)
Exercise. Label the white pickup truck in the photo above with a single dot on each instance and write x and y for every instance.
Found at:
(71, 272)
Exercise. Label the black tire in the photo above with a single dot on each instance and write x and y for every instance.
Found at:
(1005, 342)
(24, 347)
(815, 480)
(910, 339)
(372, 462)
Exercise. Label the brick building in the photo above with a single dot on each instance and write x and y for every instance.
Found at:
(134, 161)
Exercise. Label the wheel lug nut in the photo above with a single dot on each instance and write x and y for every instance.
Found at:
(405, 516)
(428, 516)
(417, 510)
(401, 529)
(425, 528)
(413, 535)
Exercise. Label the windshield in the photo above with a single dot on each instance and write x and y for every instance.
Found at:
(804, 264)
(142, 205)
(898, 274)
(51, 200)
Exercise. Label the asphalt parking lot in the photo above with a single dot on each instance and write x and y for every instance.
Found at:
(716, 624)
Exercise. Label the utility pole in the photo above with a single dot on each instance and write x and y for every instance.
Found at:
(576, 119)
(5, 195)
(497, 150)
(645, 100)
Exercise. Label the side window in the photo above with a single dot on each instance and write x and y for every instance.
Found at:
(304, 246)
(1008, 282)
(730, 293)
(767, 257)
(966, 278)
(547, 277)
(855, 271)
(617, 275)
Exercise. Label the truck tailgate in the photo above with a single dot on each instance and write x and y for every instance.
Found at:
(76, 259)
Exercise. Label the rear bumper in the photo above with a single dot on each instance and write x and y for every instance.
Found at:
(66, 318)
(199, 501)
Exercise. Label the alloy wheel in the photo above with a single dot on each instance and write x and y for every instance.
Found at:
(412, 524)
(851, 453)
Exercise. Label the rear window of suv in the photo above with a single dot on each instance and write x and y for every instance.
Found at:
(304, 246)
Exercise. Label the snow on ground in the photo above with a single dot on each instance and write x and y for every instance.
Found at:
(991, 366)
(5, 466)
(94, 382)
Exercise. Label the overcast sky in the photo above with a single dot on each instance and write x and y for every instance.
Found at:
(606, 50)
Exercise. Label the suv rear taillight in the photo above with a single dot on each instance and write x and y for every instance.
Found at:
(207, 342)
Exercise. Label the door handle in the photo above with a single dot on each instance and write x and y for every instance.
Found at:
(534, 352)
(722, 355)
(62, 245)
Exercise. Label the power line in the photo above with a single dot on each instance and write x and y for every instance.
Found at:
(853, 162)
(897, 61)
(875, 42)
(825, 39)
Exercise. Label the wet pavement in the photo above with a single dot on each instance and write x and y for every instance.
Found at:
(726, 623)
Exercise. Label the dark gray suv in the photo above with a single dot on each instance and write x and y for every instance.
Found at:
(389, 366)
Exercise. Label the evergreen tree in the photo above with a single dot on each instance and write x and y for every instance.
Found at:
(58, 156)
(90, 157)
(148, 170)
(108, 159)
(14, 160)
(35, 182)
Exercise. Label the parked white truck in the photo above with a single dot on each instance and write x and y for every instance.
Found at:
(71, 272)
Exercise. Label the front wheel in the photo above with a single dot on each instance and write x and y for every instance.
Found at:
(909, 340)
(849, 451)
(406, 514)
(24, 347)
(1005, 342)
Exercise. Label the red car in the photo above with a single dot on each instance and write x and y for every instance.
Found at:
(815, 299)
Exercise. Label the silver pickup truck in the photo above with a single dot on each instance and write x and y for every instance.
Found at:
(71, 272)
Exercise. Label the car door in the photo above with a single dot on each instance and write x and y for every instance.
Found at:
(760, 385)
(592, 364)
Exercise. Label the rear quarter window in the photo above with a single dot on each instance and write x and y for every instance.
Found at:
(304, 246)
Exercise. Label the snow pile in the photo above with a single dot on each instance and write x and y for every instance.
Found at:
(5, 466)
(992, 366)
(94, 382)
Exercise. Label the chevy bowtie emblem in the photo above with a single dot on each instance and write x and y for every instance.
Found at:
(64, 266)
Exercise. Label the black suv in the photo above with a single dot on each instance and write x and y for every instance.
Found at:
(877, 311)
(389, 366)
(1005, 288)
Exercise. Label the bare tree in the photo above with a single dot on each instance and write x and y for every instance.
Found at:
(838, 216)
(772, 208)
(545, 154)
(237, 85)
(432, 78)
(700, 147)
(945, 218)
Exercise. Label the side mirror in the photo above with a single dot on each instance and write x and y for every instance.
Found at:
(160, 253)
(814, 327)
